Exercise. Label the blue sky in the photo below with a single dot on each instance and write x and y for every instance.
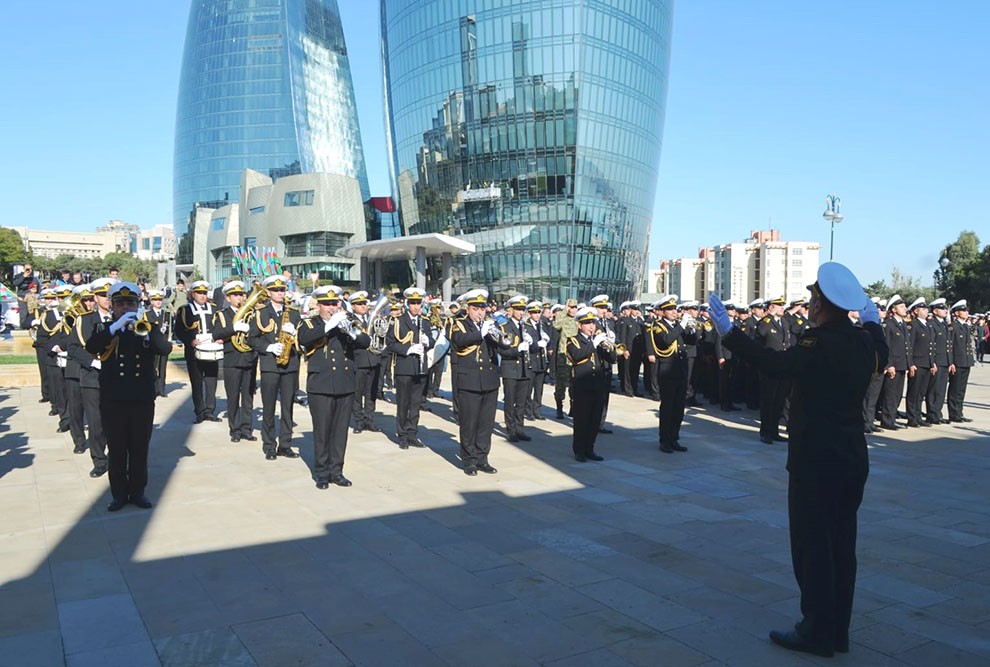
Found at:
(772, 105)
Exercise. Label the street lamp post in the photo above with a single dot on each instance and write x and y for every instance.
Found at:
(832, 204)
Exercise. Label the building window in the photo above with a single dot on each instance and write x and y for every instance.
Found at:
(797, 251)
(217, 224)
(299, 198)
(315, 244)
(257, 209)
(795, 262)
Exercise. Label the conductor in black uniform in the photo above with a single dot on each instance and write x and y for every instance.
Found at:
(827, 458)
(127, 393)
(476, 341)
(330, 340)
(591, 354)
(409, 336)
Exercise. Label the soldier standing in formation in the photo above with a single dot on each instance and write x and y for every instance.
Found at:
(273, 337)
(369, 370)
(239, 367)
(896, 332)
(514, 369)
(963, 358)
(726, 365)
(330, 341)
(667, 342)
(773, 333)
(942, 345)
(476, 341)
(409, 337)
(194, 327)
(538, 359)
(590, 355)
(161, 318)
(48, 325)
(73, 372)
(127, 394)
(921, 353)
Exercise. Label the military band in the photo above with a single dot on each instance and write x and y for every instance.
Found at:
(368, 360)
(240, 362)
(590, 355)
(515, 370)
(194, 328)
(410, 336)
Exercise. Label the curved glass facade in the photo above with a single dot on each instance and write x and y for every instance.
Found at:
(533, 129)
(265, 85)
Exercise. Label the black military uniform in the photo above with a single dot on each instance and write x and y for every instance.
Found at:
(634, 339)
(194, 321)
(775, 335)
(159, 317)
(726, 365)
(278, 381)
(921, 344)
(870, 403)
(667, 342)
(451, 321)
(963, 358)
(49, 335)
(331, 381)
(42, 351)
(515, 372)
(939, 384)
(538, 359)
(73, 393)
(651, 381)
(89, 378)
(127, 400)
(896, 332)
(752, 383)
(607, 326)
(591, 367)
(477, 388)
(369, 373)
(239, 369)
(409, 370)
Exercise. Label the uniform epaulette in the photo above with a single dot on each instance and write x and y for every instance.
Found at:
(291, 307)
(767, 319)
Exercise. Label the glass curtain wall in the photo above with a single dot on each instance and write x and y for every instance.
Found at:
(533, 129)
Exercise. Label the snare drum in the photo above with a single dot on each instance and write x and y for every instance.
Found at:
(209, 351)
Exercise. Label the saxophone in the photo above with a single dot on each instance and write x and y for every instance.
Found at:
(287, 340)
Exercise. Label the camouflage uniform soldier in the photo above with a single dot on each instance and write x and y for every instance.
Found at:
(565, 323)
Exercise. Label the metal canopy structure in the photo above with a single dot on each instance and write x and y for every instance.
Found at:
(411, 248)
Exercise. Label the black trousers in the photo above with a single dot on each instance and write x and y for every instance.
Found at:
(330, 414)
(752, 387)
(957, 392)
(633, 364)
(161, 363)
(588, 409)
(673, 391)
(129, 426)
(690, 390)
(279, 387)
(935, 397)
(917, 387)
(203, 382)
(475, 424)
(363, 410)
(409, 391)
(43, 371)
(773, 391)
(608, 392)
(893, 390)
(623, 380)
(436, 375)
(60, 394)
(535, 403)
(237, 385)
(97, 437)
(726, 372)
(73, 395)
(650, 377)
(822, 512)
(515, 394)
(870, 400)
(454, 404)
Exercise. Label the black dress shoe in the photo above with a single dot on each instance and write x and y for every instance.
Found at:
(794, 642)
(595, 457)
(924, 424)
(484, 467)
(98, 471)
(580, 459)
(235, 438)
(523, 437)
(358, 429)
(560, 413)
(52, 412)
(141, 501)
(199, 419)
(538, 417)
(271, 456)
(965, 419)
(80, 448)
(43, 400)
(604, 430)
(212, 418)
(116, 504)
(913, 424)
(372, 428)
(249, 437)
(403, 445)
(471, 471)
(416, 442)
(766, 440)
(340, 480)
(729, 408)
(890, 427)
(511, 438)
(779, 438)
(678, 447)
(666, 449)
(287, 453)
(322, 484)
(62, 429)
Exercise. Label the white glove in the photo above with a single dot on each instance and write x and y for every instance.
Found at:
(335, 320)
(424, 340)
(97, 364)
(289, 328)
(599, 339)
(542, 344)
(527, 338)
(487, 327)
(524, 346)
(35, 322)
(121, 324)
(544, 338)
(243, 327)
(353, 333)
(274, 349)
(64, 355)
(56, 349)
(416, 349)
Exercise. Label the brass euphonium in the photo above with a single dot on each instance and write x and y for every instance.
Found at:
(239, 339)
(378, 324)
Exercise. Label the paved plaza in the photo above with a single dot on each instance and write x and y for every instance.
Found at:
(644, 559)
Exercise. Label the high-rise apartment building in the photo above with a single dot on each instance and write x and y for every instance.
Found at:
(265, 85)
(533, 130)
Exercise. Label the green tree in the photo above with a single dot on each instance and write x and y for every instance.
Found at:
(11, 251)
(955, 257)
(971, 281)
(878, 289)
(909, 287)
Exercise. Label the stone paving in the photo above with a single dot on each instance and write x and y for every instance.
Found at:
(644, 559)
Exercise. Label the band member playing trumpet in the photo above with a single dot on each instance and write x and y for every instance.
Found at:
(667, 342)
(127, 393)
(273, 337)
(369, 370)
(606, 325)
(194, 327)
(239, 367)
(589, 354)
(539, 332)
(330, 340)
(516, 375)
(476, 341)
(410, 335)
(157, 316)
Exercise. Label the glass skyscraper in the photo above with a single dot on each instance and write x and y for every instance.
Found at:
(533, 129)
(265, 85)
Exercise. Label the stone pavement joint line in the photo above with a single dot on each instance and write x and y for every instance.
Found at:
(643, 559)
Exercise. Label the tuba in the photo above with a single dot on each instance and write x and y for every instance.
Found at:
(239, 340)
(378, 325)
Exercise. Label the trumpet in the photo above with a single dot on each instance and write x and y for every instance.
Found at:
(141, 326)
(497, 335)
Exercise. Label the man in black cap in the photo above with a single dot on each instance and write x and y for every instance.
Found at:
(942, 344)
(409, 337)
(774, 334)
(827, 458)
(922, 365)
(963, 358)
(667, 342)
(896, 332)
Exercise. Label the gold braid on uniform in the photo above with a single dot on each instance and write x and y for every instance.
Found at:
(666, 352)
(470, 349)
